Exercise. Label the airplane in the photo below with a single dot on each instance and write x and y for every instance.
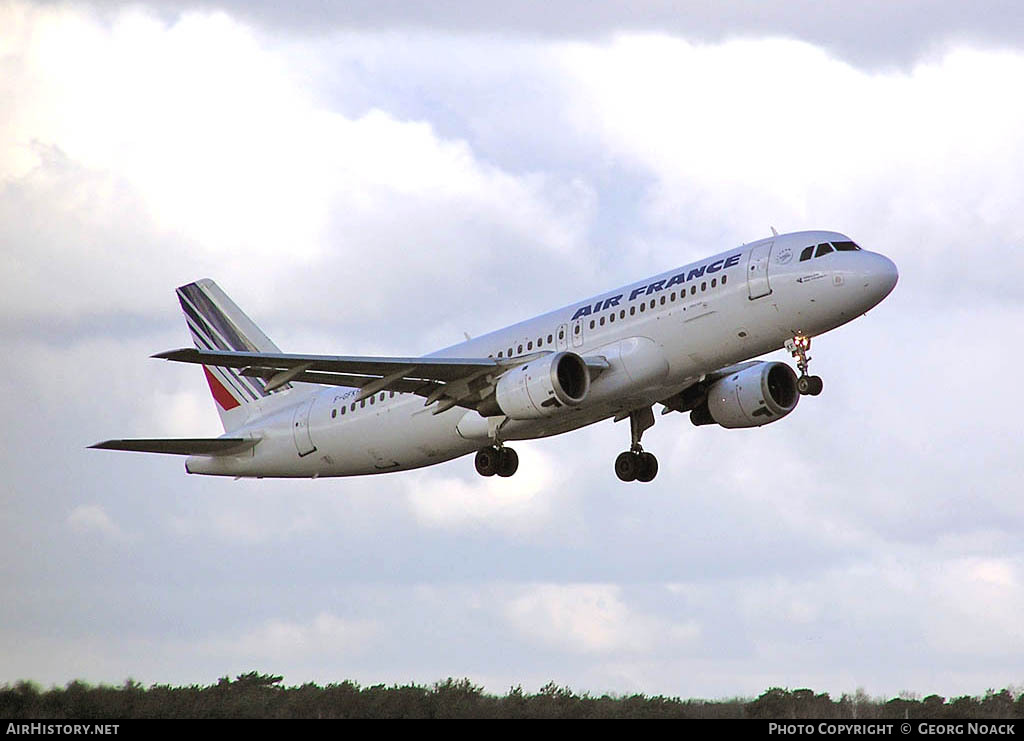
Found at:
(684, 339)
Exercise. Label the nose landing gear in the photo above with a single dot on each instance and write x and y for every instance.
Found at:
(635, 464)
(805, 384)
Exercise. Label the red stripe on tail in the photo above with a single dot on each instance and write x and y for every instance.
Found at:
(220, 394)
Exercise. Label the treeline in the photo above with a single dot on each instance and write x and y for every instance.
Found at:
(256, 695)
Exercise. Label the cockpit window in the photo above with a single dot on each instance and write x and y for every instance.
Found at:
(823, 249)
(807, 253)
(845, 246)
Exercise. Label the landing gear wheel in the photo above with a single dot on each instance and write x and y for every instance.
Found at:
(636, 465)
(508, 462)
(494, 460)
(803, 385)
(627, 466)
(806, 385)
(648, 467)
(487, 461)
(809, 385)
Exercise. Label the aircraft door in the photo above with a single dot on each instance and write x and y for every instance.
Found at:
(563, 336)
(300, 428)
(757, 270)
(577, 333)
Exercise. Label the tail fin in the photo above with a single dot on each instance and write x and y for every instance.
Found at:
(216, 323)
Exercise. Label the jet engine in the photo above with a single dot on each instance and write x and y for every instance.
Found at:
(755, 396)
(540, 387)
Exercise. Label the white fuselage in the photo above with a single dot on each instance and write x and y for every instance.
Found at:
(658, 336)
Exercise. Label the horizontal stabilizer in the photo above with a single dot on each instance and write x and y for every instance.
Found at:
(182, 446)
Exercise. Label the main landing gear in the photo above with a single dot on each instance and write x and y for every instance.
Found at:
(635, 464)
(496, 459)
(798, 347)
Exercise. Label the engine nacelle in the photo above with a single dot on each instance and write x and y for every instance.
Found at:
(540, 388)
(752, 397)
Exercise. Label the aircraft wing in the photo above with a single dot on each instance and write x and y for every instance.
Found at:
(449, 381)
(182, 446)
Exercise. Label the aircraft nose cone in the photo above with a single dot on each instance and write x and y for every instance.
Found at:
(880, 277)
(887, 275)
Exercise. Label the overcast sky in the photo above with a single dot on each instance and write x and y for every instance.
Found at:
(372, 178)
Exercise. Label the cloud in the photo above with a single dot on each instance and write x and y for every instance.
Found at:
(277, 641)
(187, 148)
(979, 600)
(776, 131)
(527, 503)
(91, 519)
(591, 619)
(876, 33)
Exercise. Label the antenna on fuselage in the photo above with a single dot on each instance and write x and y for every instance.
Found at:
(774, 233)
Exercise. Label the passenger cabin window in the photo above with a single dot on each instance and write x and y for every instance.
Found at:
(823, 249)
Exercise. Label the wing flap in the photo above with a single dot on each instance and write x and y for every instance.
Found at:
(448, 381)
(429, 369)
(413, 386)
(212, 446)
